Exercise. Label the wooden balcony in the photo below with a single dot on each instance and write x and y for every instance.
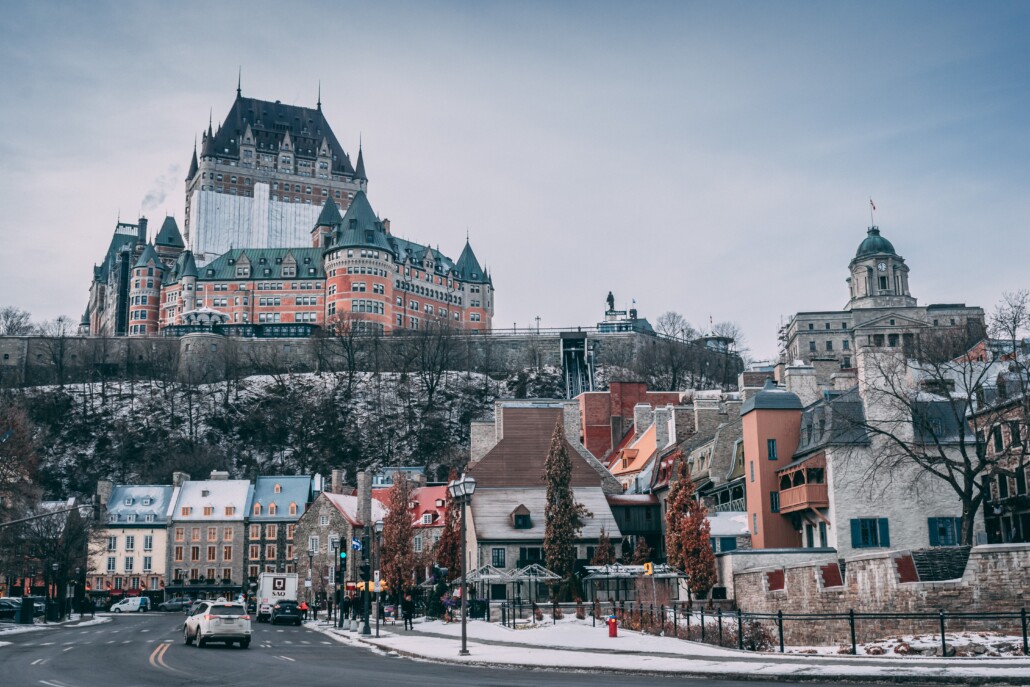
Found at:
(803, 497)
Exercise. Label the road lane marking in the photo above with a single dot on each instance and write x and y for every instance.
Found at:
(286, 658)
(68, 649)
(38, 661)
(46, 643)
(157, 657)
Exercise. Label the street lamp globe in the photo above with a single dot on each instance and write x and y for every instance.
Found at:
(379, 526)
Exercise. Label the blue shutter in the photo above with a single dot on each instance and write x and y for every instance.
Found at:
(856, 534)
(885, 535)
(931, 524)
(958, 531)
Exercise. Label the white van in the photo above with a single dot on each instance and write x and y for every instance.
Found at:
(132, 604)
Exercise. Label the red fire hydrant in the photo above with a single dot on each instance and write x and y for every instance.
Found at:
(613, 626)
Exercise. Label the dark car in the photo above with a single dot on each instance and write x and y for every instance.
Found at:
(174, 605)
(252, 606)
(286, 612)
(9, 609)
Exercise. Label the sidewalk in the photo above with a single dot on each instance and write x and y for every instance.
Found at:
(575, 645)
(75, 621)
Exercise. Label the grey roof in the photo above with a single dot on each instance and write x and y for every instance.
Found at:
(360, 228)
(175, 272)
(194, 167)
(468, 267)
(216, 493)
(120, 242)
(836, 420)
(293, 489)
(771, 397)
(492, 508)
(266, 263)
(149, 255)
(189, 265)
(874, 244)
(169, 234)
(940, 421)
(359, 170)
(140, 501)
(269, 124)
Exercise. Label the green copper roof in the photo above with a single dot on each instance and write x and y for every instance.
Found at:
(330, 215)
(874, 244)
(169, 234)
(149, 255)
(468, 267)
(189, 265)
(265, 263)
(360, 228)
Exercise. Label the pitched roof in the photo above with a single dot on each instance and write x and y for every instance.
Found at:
(468, 267)
(292, 489)
(139, 500)
(149, 255)
(359, 170)
(637, 455)
(194, 167)
(517, 460)
(169, 234)
(270, 123)
(216, 493)
(266, 263)
(347, 505)
(330, 215)
(189, 265)
(360, 228)
(491, 514)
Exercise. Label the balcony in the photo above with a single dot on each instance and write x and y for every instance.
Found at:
(803, 497)
(736, 505)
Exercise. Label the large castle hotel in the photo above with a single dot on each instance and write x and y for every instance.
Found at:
(279, 238)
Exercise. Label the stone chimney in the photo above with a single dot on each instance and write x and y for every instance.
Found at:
(104, 489)
(179, 477)
(386, 226)
(842, 381)
(683, 422)
(337, 483)
(219, 475)
(365, 498)
(706, 416)
(643, 416)
(141, 232)
(801, 379)
(663, 418)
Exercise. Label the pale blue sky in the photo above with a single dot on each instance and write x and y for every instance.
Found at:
(710, 158)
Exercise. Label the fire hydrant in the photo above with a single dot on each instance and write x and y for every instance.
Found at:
(613, 626)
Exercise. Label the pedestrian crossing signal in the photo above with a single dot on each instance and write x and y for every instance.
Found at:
(649, 568)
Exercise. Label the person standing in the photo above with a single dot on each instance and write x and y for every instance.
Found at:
(408, 611)
(344, 609)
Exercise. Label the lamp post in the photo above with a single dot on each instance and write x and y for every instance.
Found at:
(378, 564)
(310, 583)
(461, 491)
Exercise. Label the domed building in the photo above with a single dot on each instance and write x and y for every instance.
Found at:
(881, 311)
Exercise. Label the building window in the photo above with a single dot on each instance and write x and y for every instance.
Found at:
(230, 511)
(870, 533)
(323, 521)
(427, 518)
(194, 553)
(255, 552)
(829, 345)
(771, 448)
(178, 554)
(1003, 486)
(290, 529)
(417, 543)
(209, 510)
(111, 563)
(754, 523)
(112, 543)
(271, 531)
(148, 542)
(497, 557)
(270, 552)
(212, 533)
(255, 531)
(752, 471)
(811, 346)
(226, 553)
(944, 531)
(212, 553)
(774, 501)
(148, 563)
(999, 443)
(846, 345)
(313, 543)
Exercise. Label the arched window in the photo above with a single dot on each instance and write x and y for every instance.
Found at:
(271, 509)
(293, 509)
(278, 488)
(257, 509)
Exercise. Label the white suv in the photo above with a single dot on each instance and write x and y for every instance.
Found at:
(218, 621)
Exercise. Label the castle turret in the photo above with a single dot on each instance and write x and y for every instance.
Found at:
(145, 293)
(168, 243)
(188, 280)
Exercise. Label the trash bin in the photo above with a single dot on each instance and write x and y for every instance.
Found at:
(53, 611)
(28, 609)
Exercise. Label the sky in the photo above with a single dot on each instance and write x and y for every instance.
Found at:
(715, 159)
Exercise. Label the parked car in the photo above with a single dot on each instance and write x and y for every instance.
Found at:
(286, 612)
(217, 621)
(9, 609)
(175, 605)
(131, 604)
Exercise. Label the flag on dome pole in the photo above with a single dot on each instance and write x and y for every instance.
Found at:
(872, 204)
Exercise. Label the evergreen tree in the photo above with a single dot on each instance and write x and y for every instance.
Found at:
(563, 517)
(687, 542)
(397, 555)
(448, 548)
(642, 552)
(604, 554)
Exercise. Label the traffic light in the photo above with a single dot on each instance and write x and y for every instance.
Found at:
(366, 571)
(343, 556)
(649, 568)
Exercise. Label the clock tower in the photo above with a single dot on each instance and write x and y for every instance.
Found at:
(879, 276)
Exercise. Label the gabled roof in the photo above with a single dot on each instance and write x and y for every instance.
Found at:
(292, 489)
(149, 255)
(169, 234)
(189, 265)
(140, 501)
(347, 505)
(468, 267)
(265, 263)
(492, 514)
(271, 123)
(425, 499)
(637, 455)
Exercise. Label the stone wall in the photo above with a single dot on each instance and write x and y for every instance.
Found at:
(995, 579)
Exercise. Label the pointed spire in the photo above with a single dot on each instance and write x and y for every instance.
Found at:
(239, 83)
(359, 169)
(319, 104)
(194, 167)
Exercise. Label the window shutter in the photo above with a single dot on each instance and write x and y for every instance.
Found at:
(931, 524)
(958, 531)
(885, 535)
(856, 534)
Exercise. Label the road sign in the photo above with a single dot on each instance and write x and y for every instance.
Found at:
(355, 544)
(375, 578)
(307, 583)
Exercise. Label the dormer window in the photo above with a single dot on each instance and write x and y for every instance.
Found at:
(257, 509)
(277, 489)
(271, 509)
(113, 517)
(130, 518)
(520, 518)
(147, 502)
(148, 518)
(128, 501)
(293, 508)
(439, 503)
(427, 518)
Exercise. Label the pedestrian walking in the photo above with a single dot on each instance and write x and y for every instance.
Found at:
(408, 611)
(303, 608)
(344, 609)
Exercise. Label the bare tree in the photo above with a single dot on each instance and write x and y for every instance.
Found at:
(15, 321)
(675, 325)
(54, 335)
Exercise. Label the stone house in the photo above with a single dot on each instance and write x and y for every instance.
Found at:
(276, 505)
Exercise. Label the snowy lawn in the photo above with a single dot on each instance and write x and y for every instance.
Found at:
(13, 629)
(989, 644)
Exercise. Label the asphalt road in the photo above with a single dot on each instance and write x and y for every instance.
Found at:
(147, 650)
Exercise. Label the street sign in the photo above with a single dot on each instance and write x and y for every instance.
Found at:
(375, 578)
(307, 583)
(355, 544)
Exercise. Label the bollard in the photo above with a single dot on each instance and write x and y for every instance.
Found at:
(1022, 617)
(740, 630)
(720, 626)
(944, 641)
(675, 623)
(851, 624)
(779, 622)
(702, 623)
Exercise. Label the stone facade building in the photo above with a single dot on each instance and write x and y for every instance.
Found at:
(276, 505)
(880, 311)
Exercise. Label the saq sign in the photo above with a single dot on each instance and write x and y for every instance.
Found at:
(278, 586)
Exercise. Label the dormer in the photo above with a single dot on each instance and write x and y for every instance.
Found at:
(520, 518)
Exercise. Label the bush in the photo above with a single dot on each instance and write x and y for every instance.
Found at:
(538, 615)
(556, 612)
(581, 612)
(757, 636)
